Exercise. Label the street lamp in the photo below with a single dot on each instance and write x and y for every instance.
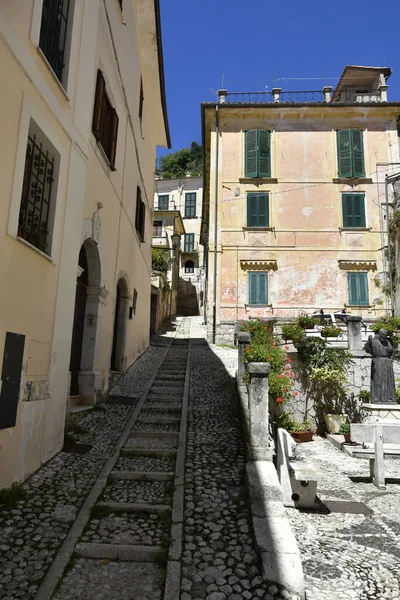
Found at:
(176, 240)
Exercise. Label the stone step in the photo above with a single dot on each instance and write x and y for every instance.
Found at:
(163, 398)
(162, 420)
(120, 552)
(141, 475)
(154, 434)
(164, 391)
(80, 408)
(157, 452)
(133, 507)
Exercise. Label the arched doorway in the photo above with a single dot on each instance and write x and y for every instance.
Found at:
(79, 321)
(121, 314)
(85, 380)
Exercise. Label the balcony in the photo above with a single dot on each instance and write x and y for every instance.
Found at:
(343, 96)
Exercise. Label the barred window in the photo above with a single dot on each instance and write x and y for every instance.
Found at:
(157, 229)
(36, 208)
(189, 266)
(53, 33)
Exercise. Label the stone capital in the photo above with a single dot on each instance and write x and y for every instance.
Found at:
(259, 369)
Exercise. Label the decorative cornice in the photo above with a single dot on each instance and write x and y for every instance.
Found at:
(357, 265)
(259, 265)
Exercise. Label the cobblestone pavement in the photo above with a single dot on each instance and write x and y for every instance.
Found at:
(349, 556)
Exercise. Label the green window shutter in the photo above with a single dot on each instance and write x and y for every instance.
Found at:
(257, 210)
(264, 154)
(258, 288)
(251, 153)
(353, 210)
(358, 153)
(358, 289)
(344, 139)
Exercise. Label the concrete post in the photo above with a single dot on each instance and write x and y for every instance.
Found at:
(243, 339)
(327, 90)
(383, 92)
(258, 411)
(276, 92)
(354, 332)
(222, 95)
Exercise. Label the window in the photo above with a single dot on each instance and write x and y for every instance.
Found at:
(37, 208)
(190, 204)
(53, 33)
(157, 229)
(258, 288)
(189, 242)
(353, 210)
(163, 202)
(350, 153)
(140, 218)
(141, 98)
(105, 121)
(257, 154)
(257, 210)
(189, 266)
(358, 289)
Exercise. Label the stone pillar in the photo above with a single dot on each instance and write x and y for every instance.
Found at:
(276, 92)
(222, 95)
(243, 339)
(258, 448)
(383, 92)
(327, 90)
(354, 332)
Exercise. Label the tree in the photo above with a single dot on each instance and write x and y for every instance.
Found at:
(188, 161)
(160, 260)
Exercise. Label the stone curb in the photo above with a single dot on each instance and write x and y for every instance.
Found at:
(275, 541)
(119, 552)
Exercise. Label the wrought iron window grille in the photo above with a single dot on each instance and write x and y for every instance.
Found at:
(36, 195)
(53, 33)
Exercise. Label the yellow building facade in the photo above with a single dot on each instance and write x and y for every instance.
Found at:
(294, 191)
(81, 115)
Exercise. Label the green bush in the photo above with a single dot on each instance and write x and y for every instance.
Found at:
(364, 395)
(293, 331)
(331, 331)
(344, 428)
(391, 325)
(160, 260)
(307, 322)
(285, 421)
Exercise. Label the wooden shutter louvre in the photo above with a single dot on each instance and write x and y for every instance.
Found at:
(141, 99)
(253, 288)
(344, 153)
(251, 153)
(358, 210)
(113, 138)
(142, 219)
(98, 103)
(352, 286)
(264, 145)
(263, 210)
(252, 216)
(358, 153)
(363, 289)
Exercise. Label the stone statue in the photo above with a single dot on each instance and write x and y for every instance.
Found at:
(383, 389)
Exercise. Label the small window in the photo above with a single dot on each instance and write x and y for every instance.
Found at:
(140, 218)
(189, 242)
(358, 289)
(189, 266)
(257, 154)
(37, 199)
(353, 210)
(157, 229)
(350, 153)
(257, 210)
(53, 33)
(141, 99)
(163, 202)
(105, 121)
(258, 288)
(190, 204)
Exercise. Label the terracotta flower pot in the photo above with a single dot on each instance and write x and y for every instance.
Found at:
(302, 436)
(347, 438)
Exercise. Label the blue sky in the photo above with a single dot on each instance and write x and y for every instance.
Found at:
(254, 43)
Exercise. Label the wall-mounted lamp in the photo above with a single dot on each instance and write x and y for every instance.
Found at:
(176, 240)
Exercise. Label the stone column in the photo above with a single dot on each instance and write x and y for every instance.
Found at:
(258, 448)
(354, 332)
(243, 339)
(327, 90)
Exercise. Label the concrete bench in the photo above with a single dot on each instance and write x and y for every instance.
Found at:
(380, 440)
(298, 479)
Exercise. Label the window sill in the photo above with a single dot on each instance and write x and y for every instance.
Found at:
(102, 155)
(258, 180)
(32, 247)
(195, 217)
(359, 305)
(267, 228)
(48, 65)
(258, 305)
(352, 180)
(355, 229)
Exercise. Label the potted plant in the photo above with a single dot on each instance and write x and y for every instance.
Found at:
(364, 395)
(331, 331)
(344, 429)
(307, 322)
(292, 331)
(301, 432)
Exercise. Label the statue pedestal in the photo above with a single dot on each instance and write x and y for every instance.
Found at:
(383, 412)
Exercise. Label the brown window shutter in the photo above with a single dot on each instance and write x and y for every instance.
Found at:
(141, 99)
(98, 103)
(143, 219)
(113, 138)
(138, 210)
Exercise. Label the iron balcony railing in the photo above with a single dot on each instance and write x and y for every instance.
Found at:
(303, 97)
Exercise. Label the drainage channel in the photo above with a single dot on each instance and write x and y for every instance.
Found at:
(126, 540)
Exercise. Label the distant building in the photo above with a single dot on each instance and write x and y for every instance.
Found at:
(186, 196)
(81, 114)
(298, 196)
